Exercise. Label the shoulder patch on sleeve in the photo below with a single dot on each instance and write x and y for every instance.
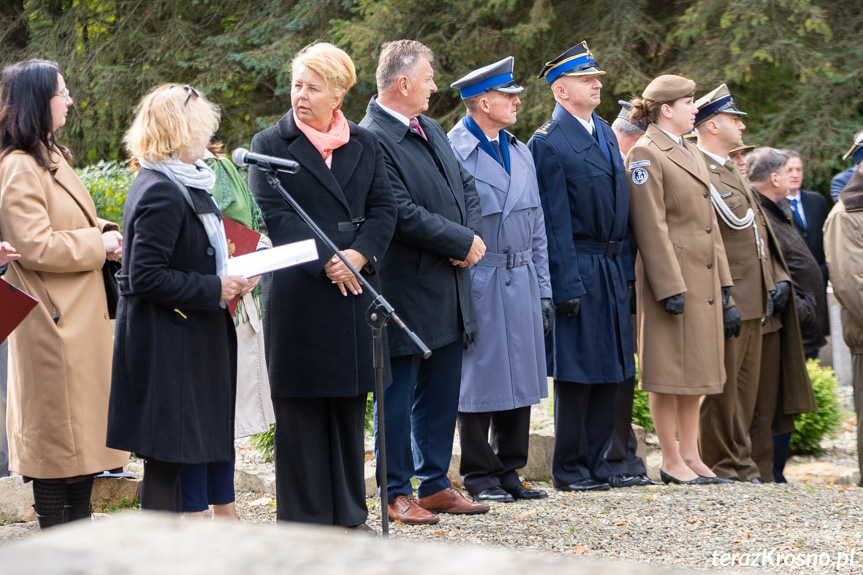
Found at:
(641, 164)
(639, 176)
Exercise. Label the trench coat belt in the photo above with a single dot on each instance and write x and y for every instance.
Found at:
(599, 248)
(509, 260)
(352, 225)
(123, 284)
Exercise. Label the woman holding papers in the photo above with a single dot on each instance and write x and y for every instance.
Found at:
(319, 347)
(60, 355)
(174, 379)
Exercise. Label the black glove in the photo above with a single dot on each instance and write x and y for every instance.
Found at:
(547, 315)
(674, 304)
(466, 339)
(632, 301)
(770, 307)
(569, 307)
(731, 321)
(726, 295)
(780, 296)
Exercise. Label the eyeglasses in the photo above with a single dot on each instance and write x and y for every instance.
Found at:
(191, 92)
(64, 94)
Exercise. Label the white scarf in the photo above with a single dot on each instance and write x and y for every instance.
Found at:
(201, 176)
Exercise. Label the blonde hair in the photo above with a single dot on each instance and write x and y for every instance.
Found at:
(172, 119)
(333, 64)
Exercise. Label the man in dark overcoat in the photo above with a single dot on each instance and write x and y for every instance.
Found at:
(503, 371)
(425, 276)
(585, 199)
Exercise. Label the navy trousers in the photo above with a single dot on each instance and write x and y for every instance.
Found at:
(420, 409)
(620, 449)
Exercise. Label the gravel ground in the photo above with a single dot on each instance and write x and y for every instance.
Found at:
(685, 527)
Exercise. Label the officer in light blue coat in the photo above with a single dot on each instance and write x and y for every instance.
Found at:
(503, 369)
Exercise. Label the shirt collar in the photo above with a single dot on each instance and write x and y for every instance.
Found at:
(718, 159)
(400, 117)
(588, 125)
(675, 139)
(794, 196)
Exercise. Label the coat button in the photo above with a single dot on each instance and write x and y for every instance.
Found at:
(710, 265)
(211, 251)
(506, 250)
(708, 230)
(705, 194)
(710, 301)
(508, 283)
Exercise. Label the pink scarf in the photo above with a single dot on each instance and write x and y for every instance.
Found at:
(326, 142)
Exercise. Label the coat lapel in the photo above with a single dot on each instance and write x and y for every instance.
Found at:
(519, 169)
(675, 154)
(69, 181)
(580, 140)
(302, 150)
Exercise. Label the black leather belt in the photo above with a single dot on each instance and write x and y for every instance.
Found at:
(599, 248)
(352, 225)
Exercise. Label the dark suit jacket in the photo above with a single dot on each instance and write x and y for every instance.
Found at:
(438, 215)
(815, 210)
(317, 341)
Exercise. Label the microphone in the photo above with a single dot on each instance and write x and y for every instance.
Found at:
(243, 157)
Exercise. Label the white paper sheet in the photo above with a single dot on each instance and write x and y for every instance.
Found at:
(280, 257)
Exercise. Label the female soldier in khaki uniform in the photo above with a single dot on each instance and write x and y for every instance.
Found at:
(680, 270)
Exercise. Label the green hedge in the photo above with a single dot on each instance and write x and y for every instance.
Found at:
(108, 184)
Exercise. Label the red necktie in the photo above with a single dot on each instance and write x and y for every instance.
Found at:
(417, 129)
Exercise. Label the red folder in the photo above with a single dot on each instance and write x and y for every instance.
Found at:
(14, 307)
(241, 241)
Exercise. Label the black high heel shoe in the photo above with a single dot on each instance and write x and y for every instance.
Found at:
(666, 478)
(716, 480)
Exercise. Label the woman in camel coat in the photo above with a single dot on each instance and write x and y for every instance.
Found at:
(681, 270)
(60, 355)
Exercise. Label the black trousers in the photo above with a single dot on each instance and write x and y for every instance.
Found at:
(583, 425)
(319, 456)
(620, 451)
(492, 461)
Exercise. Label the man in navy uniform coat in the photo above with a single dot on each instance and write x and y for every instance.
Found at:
(425, 275)
(503, 369)
(585, 199)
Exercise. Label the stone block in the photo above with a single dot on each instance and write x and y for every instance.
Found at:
(142, 544)
(254, 479)
(16, 499)
(110, 493)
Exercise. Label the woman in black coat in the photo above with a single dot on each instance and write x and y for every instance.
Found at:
(174, 373)
(318, 345)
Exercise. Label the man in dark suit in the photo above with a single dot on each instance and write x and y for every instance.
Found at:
(585, 199)
(425, 275)
(810, 211)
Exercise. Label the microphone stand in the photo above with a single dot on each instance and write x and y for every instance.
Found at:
(377, 315)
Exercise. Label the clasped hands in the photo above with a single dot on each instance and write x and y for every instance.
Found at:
(342, 276)
(477, 250)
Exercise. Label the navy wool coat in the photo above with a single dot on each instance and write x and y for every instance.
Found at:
(173, 384)
(438, 215)
(585, 199)
(317, 342)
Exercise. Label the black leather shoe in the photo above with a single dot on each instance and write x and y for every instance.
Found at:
(585, 485)
(623, 480)
(666, 478)
(496, 494)
(717, 480)
(522, 492)
(643, 479)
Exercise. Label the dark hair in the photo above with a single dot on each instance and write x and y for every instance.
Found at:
(761, 162)
(25, 111)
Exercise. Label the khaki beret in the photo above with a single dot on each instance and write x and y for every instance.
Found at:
(668, 88)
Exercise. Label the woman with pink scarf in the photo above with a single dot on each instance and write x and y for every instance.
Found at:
(318, 345)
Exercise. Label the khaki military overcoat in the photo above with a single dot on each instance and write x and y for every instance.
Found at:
(680, 250)
(60, 355)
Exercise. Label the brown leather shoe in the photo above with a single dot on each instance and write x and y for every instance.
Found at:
(405, 510)
(451, 501)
